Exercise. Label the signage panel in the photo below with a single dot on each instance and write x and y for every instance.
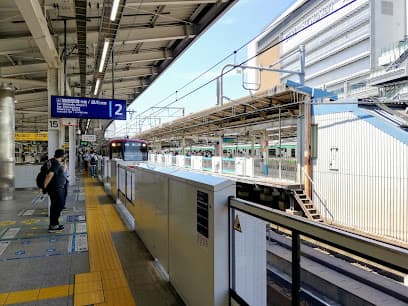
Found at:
(31, 136)
(202, 213)
(53, 124)
(87, 108)
(88, 138)
(307, 27)
(69, 122)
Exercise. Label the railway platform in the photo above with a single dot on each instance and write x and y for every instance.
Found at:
(96, 260)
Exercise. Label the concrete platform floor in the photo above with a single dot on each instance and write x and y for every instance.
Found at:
(40, 268)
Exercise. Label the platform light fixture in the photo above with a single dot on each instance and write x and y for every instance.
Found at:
(98, 82)
(114, 12)
(104, 52)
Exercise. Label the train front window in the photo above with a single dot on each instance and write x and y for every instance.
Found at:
(135, 151)
(116, 150)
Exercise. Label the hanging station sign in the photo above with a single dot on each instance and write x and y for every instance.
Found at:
(88, 138)
(87, 108)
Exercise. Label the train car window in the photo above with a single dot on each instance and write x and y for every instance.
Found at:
(272, 152)
(293, 153)
(135, 151)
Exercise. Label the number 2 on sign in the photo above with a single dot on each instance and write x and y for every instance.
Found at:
(118, 111)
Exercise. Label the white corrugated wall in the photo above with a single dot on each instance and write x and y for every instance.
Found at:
(369, 189)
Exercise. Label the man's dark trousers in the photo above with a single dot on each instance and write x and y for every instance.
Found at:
(57, 197)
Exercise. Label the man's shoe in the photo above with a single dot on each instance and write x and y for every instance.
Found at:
(55, 228)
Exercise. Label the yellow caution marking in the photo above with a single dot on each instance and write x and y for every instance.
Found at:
(114, 221)
(22, 296)
(237, 224)
(89, 298)
(7, 222)
(3, 298)
(87, 277)
(26, 296)
(54, 292)
(107, 283)
(31, 221)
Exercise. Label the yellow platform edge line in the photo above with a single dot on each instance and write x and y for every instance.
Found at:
(103, 258)
(25, 296)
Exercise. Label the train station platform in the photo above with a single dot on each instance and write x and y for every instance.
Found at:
(96, 260)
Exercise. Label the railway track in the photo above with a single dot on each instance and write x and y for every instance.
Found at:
(329, 277)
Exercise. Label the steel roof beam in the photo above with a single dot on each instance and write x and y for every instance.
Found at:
(19, 45)
(31, 112)
(134, 35)
(35, 20)
(24, 82)
(11, 71)
(171, 2)
(126, 84)
(32, 96)
(119, 74)
(143, 57)
(29, 104)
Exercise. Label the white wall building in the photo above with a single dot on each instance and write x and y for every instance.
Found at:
(360, 165)
(343, 40)
(360, 169)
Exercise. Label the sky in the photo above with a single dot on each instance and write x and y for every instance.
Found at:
(243, 22)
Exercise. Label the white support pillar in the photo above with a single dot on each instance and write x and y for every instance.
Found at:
(72, 154)
(265, 149)
(61, 136)
(253, 146)
(183, 146)
(406, 18)
(53, 135)
(300, 136)
(220, 149)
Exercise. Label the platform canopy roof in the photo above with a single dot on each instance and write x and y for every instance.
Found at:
(266, 112)
(146, 35)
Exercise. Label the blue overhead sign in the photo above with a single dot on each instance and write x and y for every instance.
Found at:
(87, 108)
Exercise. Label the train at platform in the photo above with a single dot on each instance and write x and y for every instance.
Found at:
(126, 149)
(285, 150)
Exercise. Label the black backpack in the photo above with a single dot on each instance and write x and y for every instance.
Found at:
(93, 160)
(42, 174)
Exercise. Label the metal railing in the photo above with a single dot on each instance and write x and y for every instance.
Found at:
(390, 256)
(277, 168)
(316, 195)
(207, 164)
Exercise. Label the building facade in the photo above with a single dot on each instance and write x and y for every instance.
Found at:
(345, 42)
(355, 49)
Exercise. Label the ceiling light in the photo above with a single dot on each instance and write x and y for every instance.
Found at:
(98, 81)
(115, 7)
(103, 58)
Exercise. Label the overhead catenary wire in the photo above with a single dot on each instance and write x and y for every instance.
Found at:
(243, 62)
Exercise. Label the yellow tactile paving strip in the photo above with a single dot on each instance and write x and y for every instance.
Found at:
(36, 294)
(106, 284)
(114, 221)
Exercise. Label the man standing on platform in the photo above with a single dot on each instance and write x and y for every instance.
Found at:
(92, 163)
(54, 184)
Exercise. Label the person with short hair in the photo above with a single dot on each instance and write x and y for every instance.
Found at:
(92, 162)
(54, 184)
(86, 157)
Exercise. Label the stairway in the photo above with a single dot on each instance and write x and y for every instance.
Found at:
(398, 61)
(307, 205)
